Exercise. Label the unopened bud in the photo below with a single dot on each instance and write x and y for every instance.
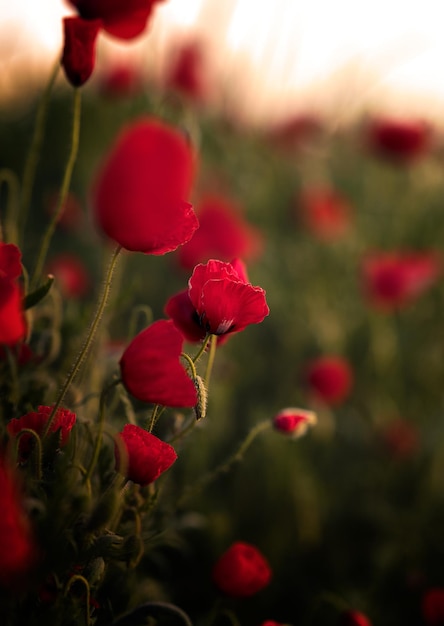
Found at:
(200, 409)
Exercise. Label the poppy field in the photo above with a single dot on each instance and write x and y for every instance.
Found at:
(221, 355)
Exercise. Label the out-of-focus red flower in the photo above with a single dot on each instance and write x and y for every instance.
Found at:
(400, 438)
(12, 319)
(147, 456)
(72, 214)
(63, 422)
(433, 606)
(187, 73)
(221, 301)
(393, 279)
(324, 212)
(140, 194)
(270, 622)
(79, 50)
(295, 130)
(294, 422)
(241, 571)
(354, 618)
(124, 19)
(120, 80)
(18, 551)
(329, 378)
(71, 275)
(399, 139)
(222, 234)
(151, 369)
(10, 261)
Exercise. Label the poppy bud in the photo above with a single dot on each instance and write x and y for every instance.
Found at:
(241, 571)
(79, 49)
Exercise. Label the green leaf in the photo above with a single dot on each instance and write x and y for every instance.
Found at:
(33, 298)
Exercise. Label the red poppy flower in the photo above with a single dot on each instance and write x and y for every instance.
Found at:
(354, 618)
(222, 234)
(140, 193)
(121, 80)
(223, 301)
(241, 571)
(294, 422)
(433, 606)
(17, 549)
(329, 378)
(401, 438)
(71, 218)
(325, 213)
(10, 261)
(79, 50)
(124, 19)
(151, 369)
(12, 319)
(295, 131)
(187, 73)
(393, 279)
(63, 422)
(219, 300)
(398, 139)
(270, 622)
(71, 275)
(147, 456)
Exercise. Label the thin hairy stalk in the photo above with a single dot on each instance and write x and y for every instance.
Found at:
(89, 338)
(158, 409)
(210, 362)
(226, 465)
(202, 348)
(75, 134)
(35, 149)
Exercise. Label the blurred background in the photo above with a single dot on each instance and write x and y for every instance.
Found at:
(339, 58)
(321, 160)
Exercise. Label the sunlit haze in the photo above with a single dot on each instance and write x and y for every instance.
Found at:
(341, 57)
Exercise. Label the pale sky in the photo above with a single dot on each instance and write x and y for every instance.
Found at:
(281, 51)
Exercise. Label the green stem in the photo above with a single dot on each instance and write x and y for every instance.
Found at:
(155, 415)
(35, 148)
(98, 442)
(89, 338)
(75, 134)
(226, 465)
(190, 362)
(8, 233)
(210, 362)
(202, 348)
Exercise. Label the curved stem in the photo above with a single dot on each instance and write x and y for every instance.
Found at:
(190, 362)
(142, 613)
(38, 444)
(89, 338)
(202, 348)
(75, 134)
(226, 465)
(79, 578)
(34, 149)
